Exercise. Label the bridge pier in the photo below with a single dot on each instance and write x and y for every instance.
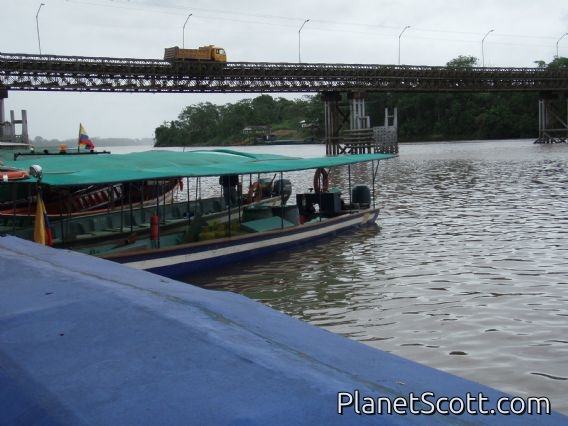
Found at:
(552, 118)
(8, 132)
(357, 117)
(360, 138)
(334, 118)
(3, 95)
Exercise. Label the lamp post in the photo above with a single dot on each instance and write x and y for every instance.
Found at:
(482, 51)
(183, 31)
(563, 35)
(299, 31)
(37, 26)
(399, 36)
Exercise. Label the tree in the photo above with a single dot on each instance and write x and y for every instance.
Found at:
(559, 62)
(422, 116)
(463, 62)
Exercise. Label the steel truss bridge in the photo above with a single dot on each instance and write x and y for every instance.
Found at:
(123, 75)
(98, 74)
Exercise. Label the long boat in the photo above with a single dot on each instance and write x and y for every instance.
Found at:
(73, 199)
(176, 239)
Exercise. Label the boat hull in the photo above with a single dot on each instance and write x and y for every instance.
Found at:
(183, 260)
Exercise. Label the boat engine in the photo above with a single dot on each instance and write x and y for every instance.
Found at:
(283, 188)
(361, 196)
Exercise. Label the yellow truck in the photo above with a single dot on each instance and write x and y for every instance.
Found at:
(203, 53)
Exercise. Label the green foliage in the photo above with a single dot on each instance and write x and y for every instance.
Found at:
(208, 124)
(559, 62)
(463, 62)
(458, 116)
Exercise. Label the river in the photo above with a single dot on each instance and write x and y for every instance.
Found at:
(467, 271)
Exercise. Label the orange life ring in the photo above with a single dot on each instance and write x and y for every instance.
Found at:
(9, 174)
(255, 193)
(321, 180)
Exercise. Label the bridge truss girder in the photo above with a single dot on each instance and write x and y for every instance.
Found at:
(87, 74)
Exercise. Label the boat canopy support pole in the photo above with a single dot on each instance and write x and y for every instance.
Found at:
(197, 195)
(155, 225)
(349, 186)
(374, 181)
(188, 200)
(228, 211)
(281, 200)
(131, 206)
(142, 210)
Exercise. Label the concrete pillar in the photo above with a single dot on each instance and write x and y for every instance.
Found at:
(24, 121)
(358, 118)
(12, 129)
(3, 95)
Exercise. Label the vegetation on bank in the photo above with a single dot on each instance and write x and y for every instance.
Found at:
(242, 122)
(421, 116)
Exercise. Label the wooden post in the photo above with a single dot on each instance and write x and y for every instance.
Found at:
(332, 121)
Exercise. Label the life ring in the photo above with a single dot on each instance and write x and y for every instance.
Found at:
(321, 180)
(255, 193)
(9, 174)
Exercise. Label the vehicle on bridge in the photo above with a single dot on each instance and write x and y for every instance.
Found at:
(203, 53)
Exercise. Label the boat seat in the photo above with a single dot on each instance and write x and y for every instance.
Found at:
(172, 212)
(113, 221)
(75, 229)
(266, 224)
(129, 220)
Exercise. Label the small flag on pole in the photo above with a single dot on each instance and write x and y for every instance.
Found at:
(42, 228)
(85, 142)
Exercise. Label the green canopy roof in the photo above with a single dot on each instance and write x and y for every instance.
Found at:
(112, 168)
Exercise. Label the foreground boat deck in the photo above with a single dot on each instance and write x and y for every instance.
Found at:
(87, 341)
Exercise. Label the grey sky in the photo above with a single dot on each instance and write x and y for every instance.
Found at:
(358, 31)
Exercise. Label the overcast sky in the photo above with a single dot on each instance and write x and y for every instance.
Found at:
(355, 31)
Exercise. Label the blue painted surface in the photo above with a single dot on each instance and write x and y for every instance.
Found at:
(86, 341)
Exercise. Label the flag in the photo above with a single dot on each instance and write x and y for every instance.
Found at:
(84, 140)
(42, 228)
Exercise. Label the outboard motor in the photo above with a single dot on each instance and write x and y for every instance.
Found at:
(283, 188)
(361, 196)
(266, 185)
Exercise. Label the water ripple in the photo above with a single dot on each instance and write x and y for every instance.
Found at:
(468, 274)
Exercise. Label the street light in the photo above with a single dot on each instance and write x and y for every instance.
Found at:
(299, 31)
(183, 31)
(482, 51)
(563, 35)
(399, 36)
(37, 26)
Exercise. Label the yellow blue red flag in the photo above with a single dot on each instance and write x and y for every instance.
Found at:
(85, 142)
(42, 228)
